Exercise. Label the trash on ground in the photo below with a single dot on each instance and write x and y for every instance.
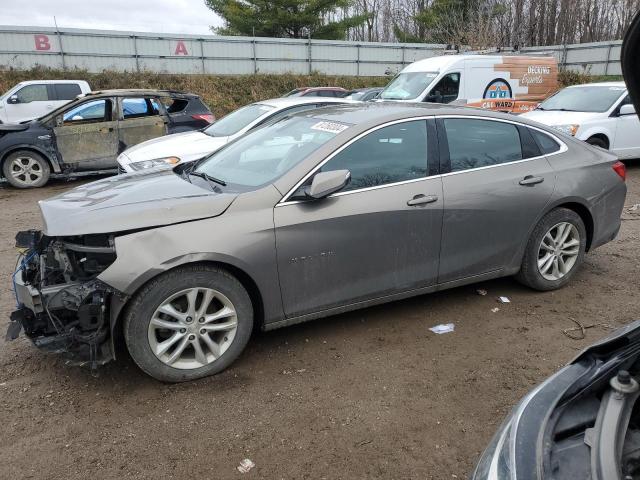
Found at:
(245, 465)
(578, 332)
(481, 292)
(495, 310)
(634, 207)
(442, 328)
(504, 300)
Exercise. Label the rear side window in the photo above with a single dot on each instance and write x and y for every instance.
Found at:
(66, 91)
(33, 93)
(481, 143)
(391, 154)
(545, 142)
(138, 107)
(174, 105)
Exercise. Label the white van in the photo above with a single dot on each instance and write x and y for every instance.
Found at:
(35, 98)
(497, 82)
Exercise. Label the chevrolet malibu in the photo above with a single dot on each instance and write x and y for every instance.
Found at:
(326, 211)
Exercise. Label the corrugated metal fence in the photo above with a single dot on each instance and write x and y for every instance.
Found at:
(97, 50)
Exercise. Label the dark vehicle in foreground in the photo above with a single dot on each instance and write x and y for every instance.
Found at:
(90, 132)
(582, 423)
(325, 211)
(364, 94)
(335, 92)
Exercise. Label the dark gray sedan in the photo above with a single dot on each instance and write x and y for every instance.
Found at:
(323, 212)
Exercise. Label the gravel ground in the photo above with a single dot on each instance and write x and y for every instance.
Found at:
(369, 394)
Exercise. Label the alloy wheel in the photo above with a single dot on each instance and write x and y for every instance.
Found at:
(558, 251)
(192, 328)
(26, 170)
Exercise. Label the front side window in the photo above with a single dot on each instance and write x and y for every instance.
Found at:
(237, 120)
(32, 93)
(391, 154)
(262, 155)
(446, 90)
(89, 112)
(583, 99)
(408, 85)
(481, 143)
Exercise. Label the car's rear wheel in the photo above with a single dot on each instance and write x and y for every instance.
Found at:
(554, 251)
(26, 169)
(188, 323)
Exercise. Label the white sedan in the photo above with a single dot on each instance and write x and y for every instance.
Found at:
(189, 146)
(598, 113)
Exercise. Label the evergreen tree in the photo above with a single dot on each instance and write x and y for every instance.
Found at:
(284, 18)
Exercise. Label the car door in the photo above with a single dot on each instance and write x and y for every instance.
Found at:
(29, 102)
(86, 135)
(378, 236)
(140, 119)
(626, 143)
(496, 187)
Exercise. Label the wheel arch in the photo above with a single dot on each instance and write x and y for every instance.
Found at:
(583, 211)
(119, 304)
(599, 135)
(53, 162)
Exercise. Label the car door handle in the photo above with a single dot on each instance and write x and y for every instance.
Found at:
(106, 130)
(422, 200)
(531, 180)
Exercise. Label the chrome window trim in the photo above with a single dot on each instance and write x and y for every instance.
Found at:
(285, 199)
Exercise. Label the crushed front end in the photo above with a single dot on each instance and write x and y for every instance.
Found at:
(61, 305)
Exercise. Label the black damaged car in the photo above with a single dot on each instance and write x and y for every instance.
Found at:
(90, 132)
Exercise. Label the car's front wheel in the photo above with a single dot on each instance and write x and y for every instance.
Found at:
(188, 323)
(554, 251)
(26, 169)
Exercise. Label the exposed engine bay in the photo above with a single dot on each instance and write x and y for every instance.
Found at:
(61, 304)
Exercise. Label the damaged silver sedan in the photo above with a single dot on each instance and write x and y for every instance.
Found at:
(323, 212)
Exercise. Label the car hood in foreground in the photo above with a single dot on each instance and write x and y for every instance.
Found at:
(186, 146)
(130, 202)
(555, 117)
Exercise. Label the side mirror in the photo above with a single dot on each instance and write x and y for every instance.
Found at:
(326, 183)
(627, 109)
(13, 99)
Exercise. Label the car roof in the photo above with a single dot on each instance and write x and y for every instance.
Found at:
(600, 84)
(319, 88)
(134, 92)
(368, 114)
(285, 102)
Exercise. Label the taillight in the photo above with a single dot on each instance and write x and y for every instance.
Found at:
(620, 169)
(206, 117)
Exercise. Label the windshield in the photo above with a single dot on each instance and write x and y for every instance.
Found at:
(407, 86)
(264, 154)
(237, 120)
(583, 99)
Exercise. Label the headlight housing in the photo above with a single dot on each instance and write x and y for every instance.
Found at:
(156, 162)
(570, 129)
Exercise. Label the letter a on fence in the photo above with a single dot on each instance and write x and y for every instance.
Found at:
(181, 48)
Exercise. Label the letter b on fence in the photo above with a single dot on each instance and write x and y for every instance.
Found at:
(42, 42)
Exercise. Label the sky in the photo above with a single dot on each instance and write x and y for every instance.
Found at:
(163, 16)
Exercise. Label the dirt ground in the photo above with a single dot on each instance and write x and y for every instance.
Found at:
(369, 394)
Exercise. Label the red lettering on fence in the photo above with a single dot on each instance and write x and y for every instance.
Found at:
(42, 42)
(181, 48)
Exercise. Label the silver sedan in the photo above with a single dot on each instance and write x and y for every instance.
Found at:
(323, 212)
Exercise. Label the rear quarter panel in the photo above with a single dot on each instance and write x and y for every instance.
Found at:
(585, 176)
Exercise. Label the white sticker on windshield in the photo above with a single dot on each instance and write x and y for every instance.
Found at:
(331, 127)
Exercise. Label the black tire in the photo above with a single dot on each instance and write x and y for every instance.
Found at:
(37, 174)
(529, 273)
(597, 142)
(145, 302)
